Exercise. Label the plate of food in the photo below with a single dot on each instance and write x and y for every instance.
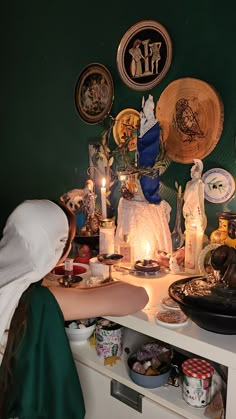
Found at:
(169, 304)
(171, 318)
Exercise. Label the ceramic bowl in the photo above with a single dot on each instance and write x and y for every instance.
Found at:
(148, 381)
(80, 335)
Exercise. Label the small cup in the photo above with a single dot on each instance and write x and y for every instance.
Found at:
(98, 269)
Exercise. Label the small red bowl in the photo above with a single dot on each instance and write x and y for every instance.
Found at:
(77, 270)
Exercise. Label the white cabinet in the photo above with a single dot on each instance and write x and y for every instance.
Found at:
(100, 404)
(163, 402)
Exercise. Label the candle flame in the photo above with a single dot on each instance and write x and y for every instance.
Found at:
(103, 182)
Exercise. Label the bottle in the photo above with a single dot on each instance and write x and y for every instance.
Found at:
(126, 250)
(69, 262)
(106, 236)
(177, 236)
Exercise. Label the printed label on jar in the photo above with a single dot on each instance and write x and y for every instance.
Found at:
(196, 392)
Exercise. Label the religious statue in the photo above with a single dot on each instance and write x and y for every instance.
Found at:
(195, 217)
(148, 149)
(193, 208)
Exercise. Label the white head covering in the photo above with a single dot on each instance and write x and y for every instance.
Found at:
(33, 241)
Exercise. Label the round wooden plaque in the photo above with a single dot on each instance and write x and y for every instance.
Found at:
(191, 115)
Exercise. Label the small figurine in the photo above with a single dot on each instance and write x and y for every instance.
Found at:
(173, 265)
(195, 217)
(73, 199)
(89, 198)
(193, 208)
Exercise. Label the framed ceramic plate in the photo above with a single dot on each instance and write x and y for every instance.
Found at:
(191, 114)
(219, 185)
(126, 125)
(204, 260)
(94, 93)
(144, 55)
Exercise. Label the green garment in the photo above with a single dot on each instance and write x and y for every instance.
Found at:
(48, 386)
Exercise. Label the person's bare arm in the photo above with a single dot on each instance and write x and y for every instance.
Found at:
(112, 299)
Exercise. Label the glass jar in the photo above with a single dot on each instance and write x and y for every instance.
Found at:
(106, 236)
(197, 379)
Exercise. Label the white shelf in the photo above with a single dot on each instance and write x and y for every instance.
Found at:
(169, 397)
(192, 338)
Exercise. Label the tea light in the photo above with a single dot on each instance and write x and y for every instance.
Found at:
(103, 199)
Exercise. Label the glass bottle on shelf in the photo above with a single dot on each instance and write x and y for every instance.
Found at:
(69, 261)
(177, 236)
(126, 250)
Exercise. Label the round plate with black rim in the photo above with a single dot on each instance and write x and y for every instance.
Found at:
(144, 55)
(94, 93)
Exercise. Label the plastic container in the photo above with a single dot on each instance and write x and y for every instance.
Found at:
(197, 379)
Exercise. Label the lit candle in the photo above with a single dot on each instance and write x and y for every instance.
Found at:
(103, 199)
(147, 257)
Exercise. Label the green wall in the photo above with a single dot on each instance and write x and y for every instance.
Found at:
(45, 45)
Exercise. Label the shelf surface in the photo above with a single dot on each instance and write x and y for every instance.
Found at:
(192, 338)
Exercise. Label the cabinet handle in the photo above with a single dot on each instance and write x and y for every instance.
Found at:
(126, 395)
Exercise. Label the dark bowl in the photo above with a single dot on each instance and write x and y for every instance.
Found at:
(208, 320)
(109, 258)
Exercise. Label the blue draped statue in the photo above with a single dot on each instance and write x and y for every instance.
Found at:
(148, 149)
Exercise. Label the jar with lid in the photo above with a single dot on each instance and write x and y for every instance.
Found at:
(197, 380)
(106, 236)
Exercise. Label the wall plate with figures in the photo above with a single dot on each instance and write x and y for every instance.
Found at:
(94, 93)
(204, 260)
(219, 185)
(144, 55)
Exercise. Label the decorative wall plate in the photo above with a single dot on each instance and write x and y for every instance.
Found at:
(126, 123)
(219, 185)
(94, 93)
(191, 114)
(144, 55)
(204, 260)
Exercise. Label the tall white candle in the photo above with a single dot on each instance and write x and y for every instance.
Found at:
(103, 199)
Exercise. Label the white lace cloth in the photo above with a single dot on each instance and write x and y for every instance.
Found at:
(144, 223)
